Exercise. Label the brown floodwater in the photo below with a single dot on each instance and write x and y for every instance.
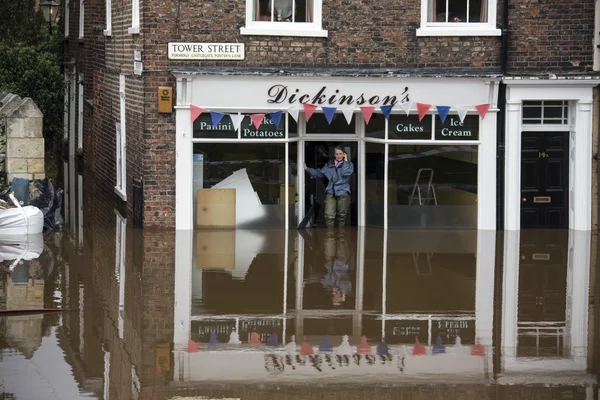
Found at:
(249, 314)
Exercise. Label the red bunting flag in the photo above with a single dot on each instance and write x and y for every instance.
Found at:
(422, 108)
(257, 119)
(482, 109)
(195, 112)
(309, 109)
(367, 112)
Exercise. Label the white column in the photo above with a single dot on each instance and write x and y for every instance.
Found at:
(184, 158)
(582, 196)
(360, 283)
(300, 290)
(512, 166)
(510, 294)
(486, 174)
(579, 271)
(484, 286)
(183, 288)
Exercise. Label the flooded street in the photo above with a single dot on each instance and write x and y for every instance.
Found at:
(297, 314)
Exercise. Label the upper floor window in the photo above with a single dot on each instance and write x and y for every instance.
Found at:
(108, 30)
(284, 18)
(67, 12)
(81, 16)
(458, 18)
(135, 17)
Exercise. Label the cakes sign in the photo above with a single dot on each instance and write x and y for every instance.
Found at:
(206, 51)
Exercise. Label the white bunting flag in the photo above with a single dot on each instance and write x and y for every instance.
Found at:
(237, 120)
(348, 113)
(294, 111)
(462, 112)
(407, 106)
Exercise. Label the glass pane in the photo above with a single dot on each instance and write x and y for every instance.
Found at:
(204, 128)
(553, 115)
(409, 127)
(458, 11)
(532, 112)
(241, 185)
(283, 10)
(374, 164)
(266, 130)
(292, 126)
(434, 186)
(293, 185)
(376, 127)
(318, 124)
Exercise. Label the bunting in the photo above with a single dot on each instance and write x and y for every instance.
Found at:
(216, 117)
(406, 106)
(443, 112)
(309, 109)
(329, 113)
(236, 119)
(257, 119)
(276, 117)
(482, 109)
(294, 111)
(386, 110)
(367, 112)
(462, 112)
(348, 114)
(195, 112)
(422, 108)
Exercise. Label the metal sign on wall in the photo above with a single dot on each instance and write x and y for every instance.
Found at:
(206, 51)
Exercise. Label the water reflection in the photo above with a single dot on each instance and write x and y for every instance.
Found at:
(170, 313)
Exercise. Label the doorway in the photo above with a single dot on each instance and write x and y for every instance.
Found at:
(544, 180)
(316, 155)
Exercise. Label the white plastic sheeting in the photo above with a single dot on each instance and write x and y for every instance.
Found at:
(21, 220)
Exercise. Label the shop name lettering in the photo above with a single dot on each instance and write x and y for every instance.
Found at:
(280, 94)
(277, 364)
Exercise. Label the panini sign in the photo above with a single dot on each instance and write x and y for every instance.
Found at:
(206, 51)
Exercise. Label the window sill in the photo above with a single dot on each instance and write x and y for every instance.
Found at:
(107, 32)
(455, 31)
(121, 193)
(278, 31)
(133, 30)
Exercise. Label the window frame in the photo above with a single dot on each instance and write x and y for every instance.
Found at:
(272, 28)
(81, 18)
(108, 30)
(80, 98)
(135, 18)
(121, 136)
(459, 29)
(67, 12)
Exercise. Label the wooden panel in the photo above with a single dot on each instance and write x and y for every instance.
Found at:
(215, 249)
(216, 208)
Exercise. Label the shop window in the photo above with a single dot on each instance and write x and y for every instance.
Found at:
(376, 127)
(458, 18)
(204, 128)
(284, 18)
(432, 186)
(240, 185)
(108, 30)
(542, 112)
(374, 173)
(318, 124)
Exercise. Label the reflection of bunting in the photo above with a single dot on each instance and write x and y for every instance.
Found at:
(462, 112)
(309, 109)
(276, 117)
(482, 109)
(236, 119)
(386, 110)
(195, 112)
(422, 108)
(367, 112)
(257, 119)
(329, 112)
(443, 112)
(348, 114)
(407, 106)
(294, 111)
(216, 117)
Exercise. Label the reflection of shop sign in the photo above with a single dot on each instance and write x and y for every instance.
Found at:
(409, 127)
(453, 129)
(448, 330)
(201, 330)
(328, 363)
(266, 130)
(206, 51)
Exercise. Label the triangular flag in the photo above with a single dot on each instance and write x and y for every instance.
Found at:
(443, 112)
(482, 109)
(348, 114)
(236, 119)
(462, 112)
(195, 112)
(216, 117)
(257, 119)
(367, 112)
(309, 109)
(276, 117)
(422, 108)
(407, 106)
(294, 111)
(386, 110)
(329, 113)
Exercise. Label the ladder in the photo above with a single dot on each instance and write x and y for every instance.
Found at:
(424, 179)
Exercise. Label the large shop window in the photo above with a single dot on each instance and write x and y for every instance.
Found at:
(432, 186)
(458, 18)
(284, 18)
(242, 185)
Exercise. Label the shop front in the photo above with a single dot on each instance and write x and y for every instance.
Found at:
(423, 150)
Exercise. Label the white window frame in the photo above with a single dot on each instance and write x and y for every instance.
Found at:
(120, 188)
(81, 18)
(459, 29)
(67, 12)
(268, 28)
(135, 18)
(80, 112)
(108, 30)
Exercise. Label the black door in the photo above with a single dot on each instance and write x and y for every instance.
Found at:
(317, 154)
(544, 180)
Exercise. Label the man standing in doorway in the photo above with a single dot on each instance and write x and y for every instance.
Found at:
(337, 198)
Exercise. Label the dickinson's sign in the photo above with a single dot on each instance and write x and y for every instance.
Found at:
(283, 94)
(206, 51)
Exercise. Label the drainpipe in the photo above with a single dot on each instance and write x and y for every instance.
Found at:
(501, 123)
